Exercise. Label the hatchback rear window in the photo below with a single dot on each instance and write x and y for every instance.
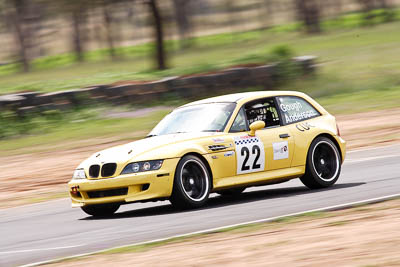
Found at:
(295, 109)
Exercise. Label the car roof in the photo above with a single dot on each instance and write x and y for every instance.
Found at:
(245, 97)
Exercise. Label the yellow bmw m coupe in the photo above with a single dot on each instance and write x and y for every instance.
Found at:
(222, 144)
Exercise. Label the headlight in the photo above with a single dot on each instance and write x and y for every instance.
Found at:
(143, 166)
(79, 174)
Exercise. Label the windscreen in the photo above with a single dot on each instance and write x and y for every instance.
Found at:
(210, 117)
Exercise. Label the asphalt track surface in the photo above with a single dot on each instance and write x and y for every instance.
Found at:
(50, 230)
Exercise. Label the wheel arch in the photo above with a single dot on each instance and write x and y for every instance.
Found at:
(204, 160)
(330, 137)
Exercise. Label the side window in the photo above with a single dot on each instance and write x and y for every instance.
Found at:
(263, 110)
(296, 109)
(239, 125)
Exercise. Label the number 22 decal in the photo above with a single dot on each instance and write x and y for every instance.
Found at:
(250, 154)
(246, 152)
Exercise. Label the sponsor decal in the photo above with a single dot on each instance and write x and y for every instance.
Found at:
(281, 150)
(289, 107)
(250, 154)
(294, 112)
(229, 154)
(298, 116)
(218, 140)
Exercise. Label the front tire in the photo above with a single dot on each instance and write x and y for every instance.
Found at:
(101, 209)
(323, 164)
(192, 183)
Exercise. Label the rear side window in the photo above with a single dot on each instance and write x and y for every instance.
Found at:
(295, 109)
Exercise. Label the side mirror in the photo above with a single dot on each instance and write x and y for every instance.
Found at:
(257, 125)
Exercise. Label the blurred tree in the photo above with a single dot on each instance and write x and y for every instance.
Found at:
(369, 5)
(265, 12)
(387, 6)
(159, 34)
(336, 6)
(232, 16)
(108, 21)
(182, 18)
(17, 14)
(77, 10)
(308, 12)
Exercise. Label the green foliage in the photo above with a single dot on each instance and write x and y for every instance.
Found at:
(15, 124)
(378, 16)
(289, 27)
(77, 130)
(281, 53)
(287, 69)
(359, 19)
(346, 21)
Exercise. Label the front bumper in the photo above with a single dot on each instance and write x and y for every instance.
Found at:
(124, 188)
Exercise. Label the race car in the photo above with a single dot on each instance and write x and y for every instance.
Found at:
(223, 144)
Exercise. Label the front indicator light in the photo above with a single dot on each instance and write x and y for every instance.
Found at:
(143, 166)
(74, 190)
(157, 165)
(79, 174)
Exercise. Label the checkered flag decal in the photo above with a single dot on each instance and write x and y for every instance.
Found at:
(246, 141)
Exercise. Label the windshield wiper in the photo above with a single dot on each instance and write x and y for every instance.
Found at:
(150, 135)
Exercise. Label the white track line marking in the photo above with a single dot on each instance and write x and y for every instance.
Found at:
(371, 148)
(39, 249)
(35, 204)
(370, 158)
(211, 230)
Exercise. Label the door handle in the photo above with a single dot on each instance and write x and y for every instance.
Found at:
(284, 135)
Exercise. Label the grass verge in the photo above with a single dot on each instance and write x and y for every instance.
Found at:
(67, 133)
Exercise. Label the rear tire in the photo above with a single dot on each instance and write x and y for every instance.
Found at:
(101, 209)
(192, 183)
(323, 164)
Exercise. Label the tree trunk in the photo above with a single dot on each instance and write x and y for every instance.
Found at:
(338, 6)
(232, 16)
(18, 18)
(108, 25)
(367, 5)
(159, 35)
(308, 12)
(77, 34)
(383, 4)
(265, 14)
(182, 20)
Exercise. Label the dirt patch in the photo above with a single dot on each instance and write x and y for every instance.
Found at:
(364, 236)
(370, 128)
(38, 175)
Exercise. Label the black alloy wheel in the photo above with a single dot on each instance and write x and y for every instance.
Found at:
(323, 164)
(192, 183)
